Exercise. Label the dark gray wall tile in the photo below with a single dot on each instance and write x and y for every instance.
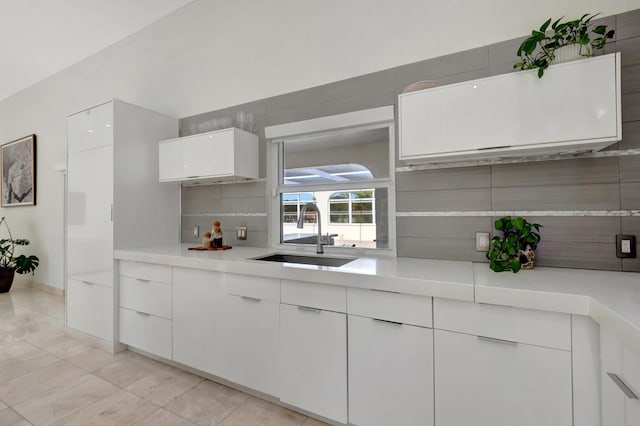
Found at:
(200, 199)
(242, 190)
(440, 248)
(582, 171)
(631, 107)
(628, 25)
(585, 229)
(630, 78)
(434, 69)
(562, 197)
(631, 225)
(443, 227)
(256, 235)
(450, 200)
(243, 205)
(630, 169)
(629, 51)
(458, 178)
(630, 135)
(630, 195)
(569, 254)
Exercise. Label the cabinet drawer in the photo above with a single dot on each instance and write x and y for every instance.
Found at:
(319, 296)
(150, 297)
(90, 309)
(529, 326)
(390, 306)
(252, 286)
(146, 271)
(146, 332)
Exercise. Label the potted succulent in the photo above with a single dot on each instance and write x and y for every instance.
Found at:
(565, 41)
(515, 249)
(10, 263)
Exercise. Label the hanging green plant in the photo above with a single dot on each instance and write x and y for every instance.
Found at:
(514, 250)
(540, 49)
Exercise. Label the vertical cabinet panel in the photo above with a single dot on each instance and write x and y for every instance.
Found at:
(488, 383)
(313, 361)
(612, 396)
(250, 336)
(197, 301)
(90, 309)
(390, 373)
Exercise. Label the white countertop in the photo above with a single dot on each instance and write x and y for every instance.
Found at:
(611, 298)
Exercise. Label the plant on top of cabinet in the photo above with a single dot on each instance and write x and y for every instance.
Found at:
(515, 250)
(568, 41)
(10, 264)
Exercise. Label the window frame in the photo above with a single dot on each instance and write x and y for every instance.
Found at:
(277, 136)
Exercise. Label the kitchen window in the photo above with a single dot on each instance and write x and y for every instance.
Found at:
(346, 173)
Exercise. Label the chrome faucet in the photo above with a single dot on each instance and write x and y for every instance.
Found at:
(319, 248)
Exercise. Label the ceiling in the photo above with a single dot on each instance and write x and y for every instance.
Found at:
(41, 37)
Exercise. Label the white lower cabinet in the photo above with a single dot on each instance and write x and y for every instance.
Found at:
(197, 300)
(313, 360)
(250, 336)
(390, 373)
(90, 308)
(482, 381)
(146, 332)
(620, 381)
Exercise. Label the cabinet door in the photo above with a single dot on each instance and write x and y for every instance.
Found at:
(611, 361)
(250, 336)
(492, 383)
(90, 309)
(313, 361)
(631, 368)
(210, 154)
(390, 373)
(171, 160)
(197, 300)
(90, 129)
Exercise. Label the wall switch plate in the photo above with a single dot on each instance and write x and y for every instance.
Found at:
(196, 232)
(241, 233)
(482, 241)
(626, 246)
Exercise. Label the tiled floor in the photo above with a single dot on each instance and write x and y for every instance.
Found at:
(49, 378)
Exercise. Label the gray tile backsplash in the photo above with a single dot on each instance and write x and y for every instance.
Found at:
(575, 185)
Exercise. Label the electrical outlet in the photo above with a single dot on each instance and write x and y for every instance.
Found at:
(482, 241)
(196, 232)
(626, 246)
(241, 233)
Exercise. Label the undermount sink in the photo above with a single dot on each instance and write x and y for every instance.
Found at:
(307, 260)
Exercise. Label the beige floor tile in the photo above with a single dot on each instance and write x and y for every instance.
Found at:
(52, 376)
(65, 346)
(21, 358)
(207, 404)
(313, 422)
(257, 412)
(164, 384)
(121, 408)
(7, 339)
(8, 417)
(92, 359)
(44, 408)
(2, 405)
(38, 328)
(127, 368)
(163, 417)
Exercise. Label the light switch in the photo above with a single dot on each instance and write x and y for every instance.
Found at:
(196, 231)
(241, 233)
(626, 246)
(482, 241)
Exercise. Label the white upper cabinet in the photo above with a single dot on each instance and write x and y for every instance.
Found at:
(215, 156)
(574, 107)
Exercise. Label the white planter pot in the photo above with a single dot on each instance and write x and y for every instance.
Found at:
(571, 52)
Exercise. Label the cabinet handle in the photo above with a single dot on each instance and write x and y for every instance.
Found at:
(87, 283)
(144, 314)
(387, 321)
(304, 308)
(142, 280)
(385, 291)
(251, 299)
(494, 340)
(622, 385)
(192, 177)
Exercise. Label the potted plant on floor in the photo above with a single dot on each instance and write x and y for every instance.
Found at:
(10, 263)
(566, 41)
(515, 249)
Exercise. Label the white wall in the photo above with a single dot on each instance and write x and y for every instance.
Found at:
(217, 53)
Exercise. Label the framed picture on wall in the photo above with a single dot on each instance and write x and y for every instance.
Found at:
(19, 172)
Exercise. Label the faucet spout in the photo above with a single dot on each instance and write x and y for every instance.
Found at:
(312, 206)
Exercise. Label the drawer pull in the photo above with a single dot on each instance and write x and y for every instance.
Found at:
(387, 321)
(142, 280)
(622, 385)
(144, 314)
(251, 299)
(385, 291)
(494, 340)
(304, 308)
(87, 283)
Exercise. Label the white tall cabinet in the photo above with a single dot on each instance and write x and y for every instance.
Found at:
(113, 201)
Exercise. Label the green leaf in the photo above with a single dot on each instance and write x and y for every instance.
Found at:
(498, 267)
(610, 34)
(540, 72)
(529, 46)
(26, 264)
(515, 266)
(499, 226)
(544, 26)
(518, 223)
(555, 24)
(600, 29)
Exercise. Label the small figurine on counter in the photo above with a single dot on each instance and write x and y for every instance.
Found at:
(217, 235)
(206, 240)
